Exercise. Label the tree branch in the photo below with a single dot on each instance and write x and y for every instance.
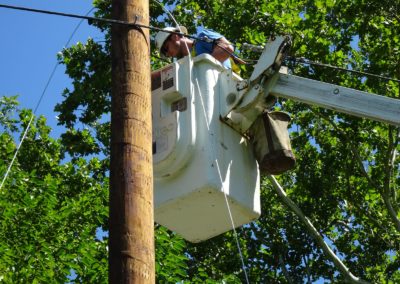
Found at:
(313, 231)
(392, 212)
(353, 149)
(392, 153)
(394, 156)
(284, 270)
(385, 190)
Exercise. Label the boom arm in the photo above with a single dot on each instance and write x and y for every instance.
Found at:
(341, 99)
(247, 99)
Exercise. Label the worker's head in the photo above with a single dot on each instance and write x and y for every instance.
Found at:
(171, 43)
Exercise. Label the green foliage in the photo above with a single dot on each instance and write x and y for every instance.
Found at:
(346, 179)
(50, 211)
(8, 107)
(171, 262)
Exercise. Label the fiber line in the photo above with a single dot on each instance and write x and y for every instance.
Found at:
(223, 187)
(38, 104)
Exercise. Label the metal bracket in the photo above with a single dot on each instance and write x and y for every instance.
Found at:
(250, 98)
(271, 58)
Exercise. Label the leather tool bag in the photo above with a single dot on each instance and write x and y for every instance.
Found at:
(271, 143)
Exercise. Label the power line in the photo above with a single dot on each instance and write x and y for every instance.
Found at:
(303, 60)
(133, 24)
(37, 106)
(137, 25)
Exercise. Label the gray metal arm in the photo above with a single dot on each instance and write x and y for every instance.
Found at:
(341, 99)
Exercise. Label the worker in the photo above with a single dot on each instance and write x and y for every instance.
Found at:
(171, 42)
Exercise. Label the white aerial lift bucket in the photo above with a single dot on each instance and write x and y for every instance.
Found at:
(199, 161)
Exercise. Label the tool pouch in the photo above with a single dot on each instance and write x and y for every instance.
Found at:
(271, 143)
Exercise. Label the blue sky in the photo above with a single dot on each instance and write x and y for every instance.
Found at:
(29, 46)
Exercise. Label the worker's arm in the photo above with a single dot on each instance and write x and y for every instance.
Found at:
(222, 49)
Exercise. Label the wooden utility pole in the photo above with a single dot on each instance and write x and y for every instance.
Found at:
(131, 244)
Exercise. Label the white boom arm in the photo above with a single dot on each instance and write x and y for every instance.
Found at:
(338, 98)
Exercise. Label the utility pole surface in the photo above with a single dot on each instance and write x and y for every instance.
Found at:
(131, 242)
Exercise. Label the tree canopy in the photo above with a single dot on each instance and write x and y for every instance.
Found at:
(346, 181)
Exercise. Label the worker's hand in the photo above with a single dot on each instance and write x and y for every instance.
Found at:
(222, 49)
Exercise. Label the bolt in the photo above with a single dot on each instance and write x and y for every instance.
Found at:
(231, 98)
(336, 91)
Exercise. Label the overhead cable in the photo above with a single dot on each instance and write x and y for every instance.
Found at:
(133, 24)
(90, 19)
(136, 25)
(37, 107)
(303, 60)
